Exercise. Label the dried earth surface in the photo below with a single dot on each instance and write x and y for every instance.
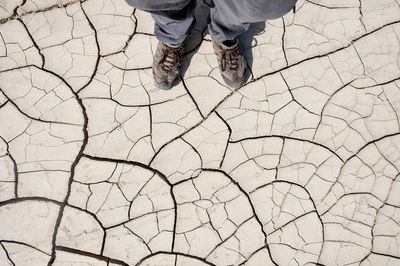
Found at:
(300, 166)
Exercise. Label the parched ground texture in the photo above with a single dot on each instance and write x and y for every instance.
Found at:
(300, 166)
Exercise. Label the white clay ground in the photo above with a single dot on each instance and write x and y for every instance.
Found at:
(298, 167)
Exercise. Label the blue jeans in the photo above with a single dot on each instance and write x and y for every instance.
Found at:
(228, 18)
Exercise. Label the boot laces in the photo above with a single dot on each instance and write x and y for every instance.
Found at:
(171, 58)
(230, 59)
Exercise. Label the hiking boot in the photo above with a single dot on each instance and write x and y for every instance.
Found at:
(167, 62)
(231, 63)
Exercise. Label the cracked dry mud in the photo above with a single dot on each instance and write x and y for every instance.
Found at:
(298, 167)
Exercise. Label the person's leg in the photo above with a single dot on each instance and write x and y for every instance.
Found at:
(173, 18)
(173, 22)
(230, 18)
(172, 27)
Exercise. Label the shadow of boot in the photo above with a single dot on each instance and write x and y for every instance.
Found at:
(197, 34)
(248, 41)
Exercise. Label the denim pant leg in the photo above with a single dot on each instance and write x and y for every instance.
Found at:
(172, 27)
(230, 18)
(173, 18)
